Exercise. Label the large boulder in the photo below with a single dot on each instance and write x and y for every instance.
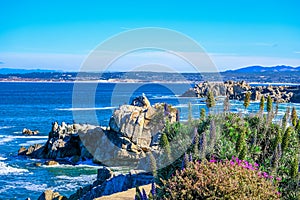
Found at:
(142, 122)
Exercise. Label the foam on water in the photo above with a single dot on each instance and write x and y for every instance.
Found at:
(83, 109)
(6, 139)
(6, 127)
(5, 169)
(70, 183)
(31, 142)
(1, 158)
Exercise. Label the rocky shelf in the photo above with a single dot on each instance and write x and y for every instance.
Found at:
(237, 90)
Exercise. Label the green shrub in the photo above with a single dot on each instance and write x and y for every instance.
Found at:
(235, 179)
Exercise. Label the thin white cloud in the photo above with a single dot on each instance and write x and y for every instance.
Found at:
(65, 62)
(144, 61)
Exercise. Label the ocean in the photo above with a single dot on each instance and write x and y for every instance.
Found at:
(37, 105)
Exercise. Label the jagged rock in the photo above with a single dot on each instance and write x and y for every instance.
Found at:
(116, 183)
(29, 132)
(51, 162)
(22, 151)
(133, 131)
(140, 123)
(103, 174)
(237, 90)
(50, 195)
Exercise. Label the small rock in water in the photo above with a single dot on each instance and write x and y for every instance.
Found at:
(29, 132)
(22, 151)
(38, 164)
(51, 162)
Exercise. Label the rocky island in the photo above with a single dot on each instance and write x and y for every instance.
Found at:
(237, 90)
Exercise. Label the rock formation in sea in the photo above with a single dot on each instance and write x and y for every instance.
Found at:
(29, 132)
(237, 90)
(133, 131)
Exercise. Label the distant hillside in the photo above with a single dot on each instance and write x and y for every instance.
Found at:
(23, 71)
(256, 69)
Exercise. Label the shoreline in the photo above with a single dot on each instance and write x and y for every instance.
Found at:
(139, 81)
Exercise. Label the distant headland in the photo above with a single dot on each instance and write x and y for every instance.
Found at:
(258, 74)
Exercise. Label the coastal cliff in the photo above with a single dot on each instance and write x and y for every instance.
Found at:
(237, 90)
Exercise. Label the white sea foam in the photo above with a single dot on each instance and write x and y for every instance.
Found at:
(70, 183)
(84, 109)
(6, 127)
(17, 132)
(29, 137)
(6, 139)
(5, 169)
(181, 106)
(28, 186)
(31, 142)
(1, 158)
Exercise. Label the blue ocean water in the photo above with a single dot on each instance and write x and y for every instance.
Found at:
(36, 105)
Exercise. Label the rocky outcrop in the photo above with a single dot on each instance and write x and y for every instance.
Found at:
(51, 162)
(50, 195)
(133, 130)
(237, 90)
(108, 183)
(29, 132)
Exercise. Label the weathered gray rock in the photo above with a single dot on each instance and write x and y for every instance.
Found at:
(134, 130)
(50, 195)
(237, 90)
(51, 163)
(118, 183)
(29, 132)
(140, 124)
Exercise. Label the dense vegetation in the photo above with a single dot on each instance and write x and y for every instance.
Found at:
(205, 171)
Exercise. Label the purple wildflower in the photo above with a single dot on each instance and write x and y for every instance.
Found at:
(191, 157)
(278, 179)
(153, 189)
(232, 162)
(144, 197)
(259, 174)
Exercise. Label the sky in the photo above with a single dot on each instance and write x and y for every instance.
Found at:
(61, 34)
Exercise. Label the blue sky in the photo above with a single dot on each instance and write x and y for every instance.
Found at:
(60, 34)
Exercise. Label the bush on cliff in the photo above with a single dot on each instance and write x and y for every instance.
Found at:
(235, 179)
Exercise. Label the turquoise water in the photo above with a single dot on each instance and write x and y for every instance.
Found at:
(36, 105)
